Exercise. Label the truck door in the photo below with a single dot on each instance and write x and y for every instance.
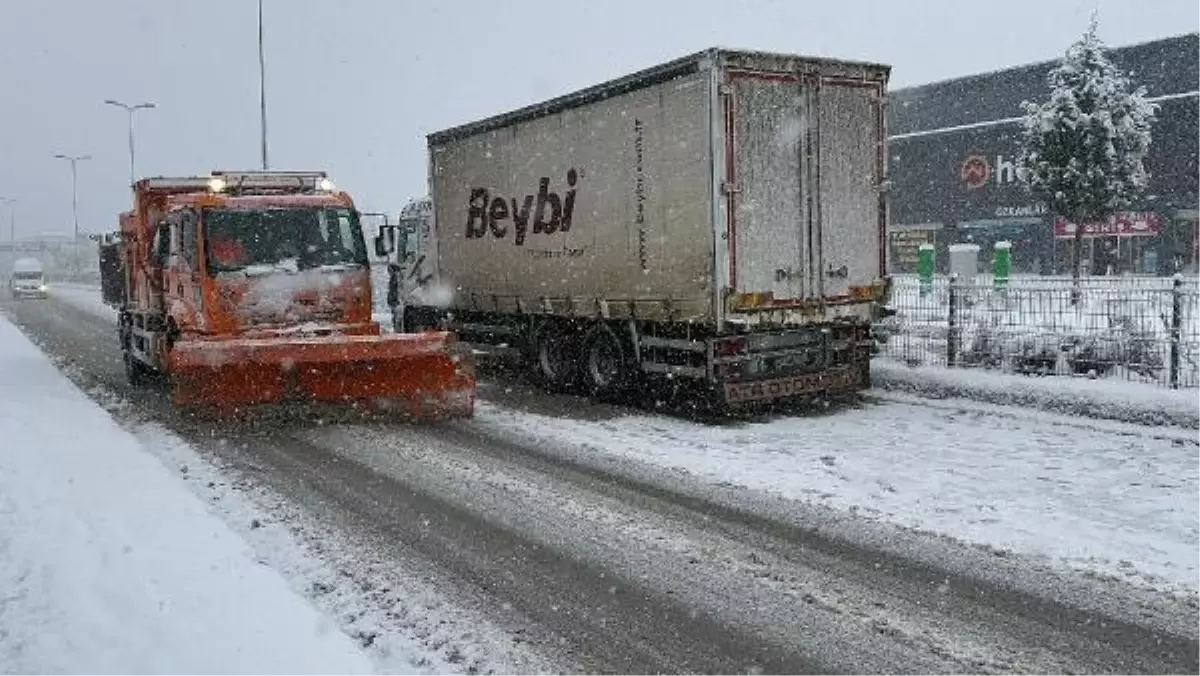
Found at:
(191, 280)
(182, 283)
(768, 126)
(851, 169)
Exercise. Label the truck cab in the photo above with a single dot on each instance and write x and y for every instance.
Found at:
(28, 279)
(406, 246)
(237, 255)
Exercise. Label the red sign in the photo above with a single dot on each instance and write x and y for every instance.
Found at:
(975, 171)
(1128, 224)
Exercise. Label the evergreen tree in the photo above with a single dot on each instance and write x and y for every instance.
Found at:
(1083, 149)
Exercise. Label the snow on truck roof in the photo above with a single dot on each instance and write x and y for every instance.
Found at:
(27, 265)
(774, 62)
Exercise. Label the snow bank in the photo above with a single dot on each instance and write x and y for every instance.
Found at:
(1115, 400)
(109, 564)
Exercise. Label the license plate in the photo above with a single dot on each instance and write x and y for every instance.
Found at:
(779, 388)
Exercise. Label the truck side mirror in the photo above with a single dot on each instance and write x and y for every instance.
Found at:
(385, 241)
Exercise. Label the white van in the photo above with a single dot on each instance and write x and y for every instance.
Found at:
(28, 279)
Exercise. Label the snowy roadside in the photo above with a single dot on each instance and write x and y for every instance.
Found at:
(109, 565)
(1104, 399)
(407, 615)
(1115, 500)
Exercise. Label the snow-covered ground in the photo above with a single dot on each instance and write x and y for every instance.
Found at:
(108, 564)
(1103, 496)
(1106, 496)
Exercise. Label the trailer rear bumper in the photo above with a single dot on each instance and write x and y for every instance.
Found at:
(846, 378)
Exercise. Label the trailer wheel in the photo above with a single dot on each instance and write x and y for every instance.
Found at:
(555, 357)
(606, 368)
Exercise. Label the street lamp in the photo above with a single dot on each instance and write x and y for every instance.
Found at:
(262, 85)
(75, 160)
(131, 110)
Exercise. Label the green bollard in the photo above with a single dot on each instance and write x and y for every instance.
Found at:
(925, 268)
(1002, 266)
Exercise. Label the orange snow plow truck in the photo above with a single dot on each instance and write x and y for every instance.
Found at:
(250, 288)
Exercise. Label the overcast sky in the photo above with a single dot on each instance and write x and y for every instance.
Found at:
(354, 85)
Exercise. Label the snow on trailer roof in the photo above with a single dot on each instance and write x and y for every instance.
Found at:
(776, 62)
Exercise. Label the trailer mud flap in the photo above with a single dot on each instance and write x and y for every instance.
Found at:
(836, 379)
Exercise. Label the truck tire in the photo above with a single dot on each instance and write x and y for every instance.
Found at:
(135, 371)
(556, 357)
(605, 362)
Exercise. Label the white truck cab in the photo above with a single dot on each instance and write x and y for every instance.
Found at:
(28, 279)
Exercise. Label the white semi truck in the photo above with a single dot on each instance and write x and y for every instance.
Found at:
(717, 220)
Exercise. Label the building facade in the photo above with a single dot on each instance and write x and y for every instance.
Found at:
(953, 149)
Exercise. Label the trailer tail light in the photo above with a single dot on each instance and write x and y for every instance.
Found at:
(731, 348)
(872, 292)
(752, 300)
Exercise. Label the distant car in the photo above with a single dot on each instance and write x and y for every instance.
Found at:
(28, 279)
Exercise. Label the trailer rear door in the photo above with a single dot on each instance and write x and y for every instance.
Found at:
(766, 125)
(805, 216)
(850, 148)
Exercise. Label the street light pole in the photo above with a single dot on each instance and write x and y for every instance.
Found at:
(262, 85)
(75, 160)
(131, 109)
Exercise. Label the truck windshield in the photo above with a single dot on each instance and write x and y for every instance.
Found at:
(297, 239)
(27, 275)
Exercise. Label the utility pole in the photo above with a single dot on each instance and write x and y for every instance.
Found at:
(131, 110)
(262, 86)
(74, 160)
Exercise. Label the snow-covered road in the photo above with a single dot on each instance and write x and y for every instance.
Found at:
(1114, 498)
(108, 564)
(955, 468)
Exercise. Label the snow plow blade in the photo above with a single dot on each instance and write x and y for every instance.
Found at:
(425, 376)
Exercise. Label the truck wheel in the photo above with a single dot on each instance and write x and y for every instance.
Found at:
(135, 371)
(555, 358)
(606, 369)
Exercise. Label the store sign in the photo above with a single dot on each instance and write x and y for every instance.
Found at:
(1125, 224)
(1025, 211)
(977, 170)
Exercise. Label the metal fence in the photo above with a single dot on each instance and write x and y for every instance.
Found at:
(1137, 329)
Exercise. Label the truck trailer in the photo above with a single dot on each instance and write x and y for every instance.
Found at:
(716, 220)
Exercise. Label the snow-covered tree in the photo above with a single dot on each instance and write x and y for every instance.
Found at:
(1083, 149)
